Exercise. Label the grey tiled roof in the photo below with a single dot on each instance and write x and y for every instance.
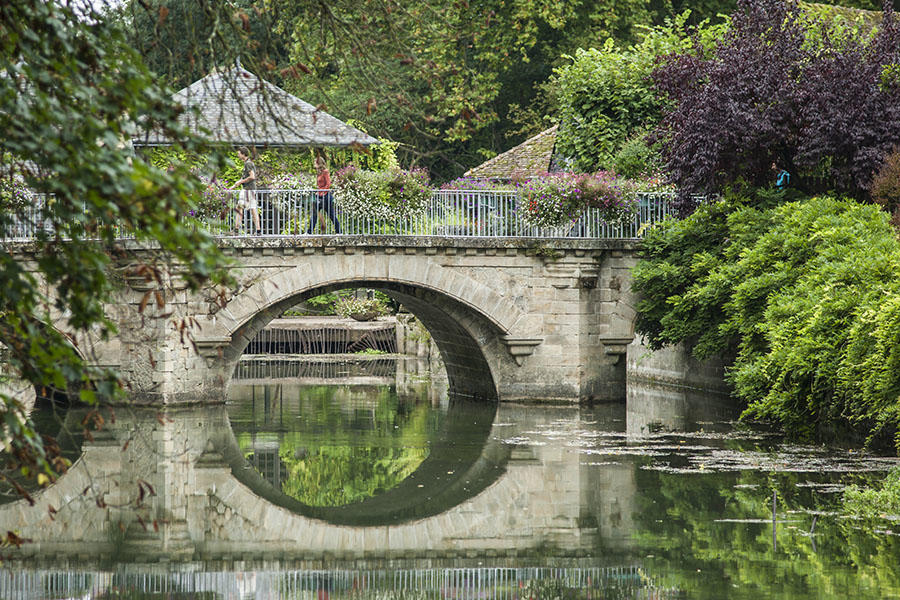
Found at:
(531, 157)
(239, 108)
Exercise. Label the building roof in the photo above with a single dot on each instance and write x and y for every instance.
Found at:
(239, 108)
(531, 157)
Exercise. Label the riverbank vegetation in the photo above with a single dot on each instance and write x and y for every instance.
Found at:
(795, 287)
(801, 297)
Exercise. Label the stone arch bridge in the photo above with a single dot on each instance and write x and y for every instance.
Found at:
(513, 318)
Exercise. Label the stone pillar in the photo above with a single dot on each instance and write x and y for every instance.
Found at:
(608, 327)
(585, 304)
(157, 358)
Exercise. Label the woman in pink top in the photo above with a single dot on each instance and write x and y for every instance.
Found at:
(324, 197)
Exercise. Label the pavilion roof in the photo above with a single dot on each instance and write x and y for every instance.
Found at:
(530, 158)
(237, 107)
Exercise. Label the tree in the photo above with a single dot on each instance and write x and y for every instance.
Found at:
(448, 80)
(779, 90)
(184, 40)
(72, 91)
(452, 82)
(604, 96)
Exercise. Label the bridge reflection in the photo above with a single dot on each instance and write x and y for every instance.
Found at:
(176, 485)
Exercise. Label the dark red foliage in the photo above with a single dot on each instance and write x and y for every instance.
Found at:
(827, 111)
(885, 188)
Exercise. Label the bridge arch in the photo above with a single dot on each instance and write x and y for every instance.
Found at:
(467, 319)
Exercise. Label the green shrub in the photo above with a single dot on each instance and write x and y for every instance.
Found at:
(604, 95)
(678, 302)
(804, 298)
(362, 309)
(635, 159)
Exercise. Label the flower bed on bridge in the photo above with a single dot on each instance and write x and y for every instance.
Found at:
(560, 199)
(385, 195)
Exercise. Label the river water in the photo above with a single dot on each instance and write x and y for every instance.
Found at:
(362, 479)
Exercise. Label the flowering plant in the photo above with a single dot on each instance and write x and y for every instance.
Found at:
(213, 201)
(615, 197)
(473, 183)
(552, 200)
(14, 193)
(654, 184)
(290, 181)
(361, 309)
(384, 195)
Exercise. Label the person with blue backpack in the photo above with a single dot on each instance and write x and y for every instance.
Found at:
(782, 177)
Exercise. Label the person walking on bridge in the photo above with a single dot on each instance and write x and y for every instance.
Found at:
(247, 198)
(324, 196)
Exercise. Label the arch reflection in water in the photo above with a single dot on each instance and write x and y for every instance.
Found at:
(357, 452)
(62, 431)
(157, 485)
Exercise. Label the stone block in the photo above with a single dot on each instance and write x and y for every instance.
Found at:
(376, 267)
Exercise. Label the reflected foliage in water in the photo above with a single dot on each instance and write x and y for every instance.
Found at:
(715, 531)
(333, 445)
(703, 518)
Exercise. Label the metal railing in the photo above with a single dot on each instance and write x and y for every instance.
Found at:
(323, 339)
(626, 581)
(450, 213)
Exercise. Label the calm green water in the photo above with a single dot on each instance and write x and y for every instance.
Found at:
(664, 498)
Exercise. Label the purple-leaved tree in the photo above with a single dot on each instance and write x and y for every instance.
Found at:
(779, 89)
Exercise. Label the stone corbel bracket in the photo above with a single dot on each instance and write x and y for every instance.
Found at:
(211, 347)
(563, 274)
(519, 348)
(145, 283)
(616, 346)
